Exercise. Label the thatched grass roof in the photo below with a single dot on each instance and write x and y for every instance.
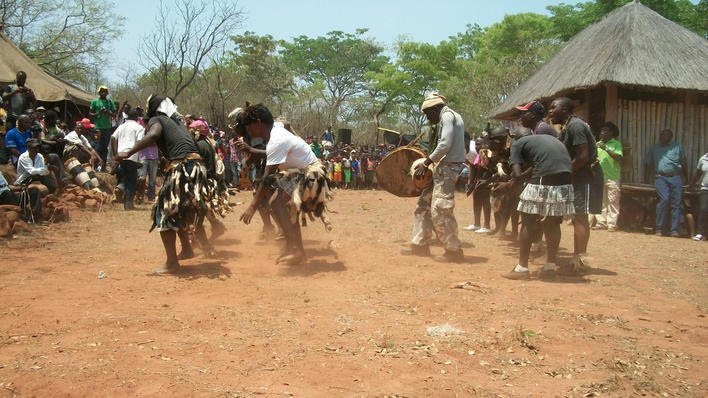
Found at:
(632, 45)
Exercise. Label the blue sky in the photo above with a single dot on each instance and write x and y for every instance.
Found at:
(423, 21)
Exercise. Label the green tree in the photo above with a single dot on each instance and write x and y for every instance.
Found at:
(340, 61)
(70, 38)
(568, 20)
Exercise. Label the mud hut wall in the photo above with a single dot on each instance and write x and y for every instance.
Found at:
(641, 121)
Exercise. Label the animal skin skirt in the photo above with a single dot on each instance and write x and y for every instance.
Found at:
(186, 195)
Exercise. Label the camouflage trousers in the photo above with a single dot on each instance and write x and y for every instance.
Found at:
(435, 209)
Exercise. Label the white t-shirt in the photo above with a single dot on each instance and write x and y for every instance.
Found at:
(288, 150)
(126, 135)
(76, 139)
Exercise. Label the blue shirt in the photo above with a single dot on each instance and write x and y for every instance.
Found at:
(18, 140)
(667, 160)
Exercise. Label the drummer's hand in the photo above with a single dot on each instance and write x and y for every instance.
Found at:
(420, 170)
(248, 215)
(120, 156)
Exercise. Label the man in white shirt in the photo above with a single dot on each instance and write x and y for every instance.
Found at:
(123, 140)
(78, 146)
(31, 167)
(301, 186)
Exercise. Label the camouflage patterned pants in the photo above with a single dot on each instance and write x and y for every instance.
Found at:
(435, 209)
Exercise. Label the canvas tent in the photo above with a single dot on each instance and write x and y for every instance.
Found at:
(47, 88)
(634, 68)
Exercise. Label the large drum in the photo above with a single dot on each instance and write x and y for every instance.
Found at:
(394, 173)
(92, 174)
(81, 177)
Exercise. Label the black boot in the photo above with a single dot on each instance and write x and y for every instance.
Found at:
(451, 256)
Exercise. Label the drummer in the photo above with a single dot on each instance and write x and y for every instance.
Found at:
(436, 204)
(78, 146)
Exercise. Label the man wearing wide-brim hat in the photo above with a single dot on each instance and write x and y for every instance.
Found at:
(436, 204)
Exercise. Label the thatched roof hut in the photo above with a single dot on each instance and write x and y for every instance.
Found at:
(636, 69)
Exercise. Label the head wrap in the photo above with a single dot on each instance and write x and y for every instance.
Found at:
(102, 88)
(161, 104)
(201, 126)
(432, 100)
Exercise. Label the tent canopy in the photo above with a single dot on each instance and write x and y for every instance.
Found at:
(46, 87)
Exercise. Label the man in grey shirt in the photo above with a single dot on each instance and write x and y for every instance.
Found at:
(436, 204)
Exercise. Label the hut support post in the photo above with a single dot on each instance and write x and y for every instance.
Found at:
(611, 105)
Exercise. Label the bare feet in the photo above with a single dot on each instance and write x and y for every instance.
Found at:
(217, 229)
(291, 258)
(168, 268)
(185, 255)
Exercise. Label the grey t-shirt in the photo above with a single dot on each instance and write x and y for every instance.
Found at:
(545, 153)
(18, 103)
(577, 132)
(451, 138)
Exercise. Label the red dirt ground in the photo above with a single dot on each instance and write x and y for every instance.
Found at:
(352, 321)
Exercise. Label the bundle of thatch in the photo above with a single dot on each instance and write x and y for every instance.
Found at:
(10, 221)
(75, 197)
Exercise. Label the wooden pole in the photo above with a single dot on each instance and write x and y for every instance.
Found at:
(611, 101)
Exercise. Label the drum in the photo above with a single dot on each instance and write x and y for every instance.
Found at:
(80, 175)
(394, 172)
(91, 173)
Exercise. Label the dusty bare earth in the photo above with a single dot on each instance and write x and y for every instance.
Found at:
(353, 321)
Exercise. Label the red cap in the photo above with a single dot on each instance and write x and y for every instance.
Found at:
(86, 123)
(533, 106)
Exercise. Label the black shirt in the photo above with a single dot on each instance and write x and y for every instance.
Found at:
(577, 132)
(175, 142)
(545, 153)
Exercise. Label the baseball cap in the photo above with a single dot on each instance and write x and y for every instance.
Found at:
(533, 107)
(86, 123)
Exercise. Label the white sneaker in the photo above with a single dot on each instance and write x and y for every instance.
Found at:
(470, 227)
(699, 237)
(483, 230)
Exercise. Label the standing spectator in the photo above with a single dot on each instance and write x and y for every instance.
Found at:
(666, 162)
(337, 167)
(609, 154)
(356, 168)
(701, 173)
(235, 157)
(103, 110)
(19, 98)
(347, 171)
(126, 135)
(435, 208)
(16, 138)
(479, 187)
(328, 136)
(587, 180)
(370, 170)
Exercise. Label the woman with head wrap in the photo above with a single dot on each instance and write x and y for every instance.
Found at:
(187, 193)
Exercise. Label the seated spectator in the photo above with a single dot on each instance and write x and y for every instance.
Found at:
(31, 167)
(78, 146)
(22, 196)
